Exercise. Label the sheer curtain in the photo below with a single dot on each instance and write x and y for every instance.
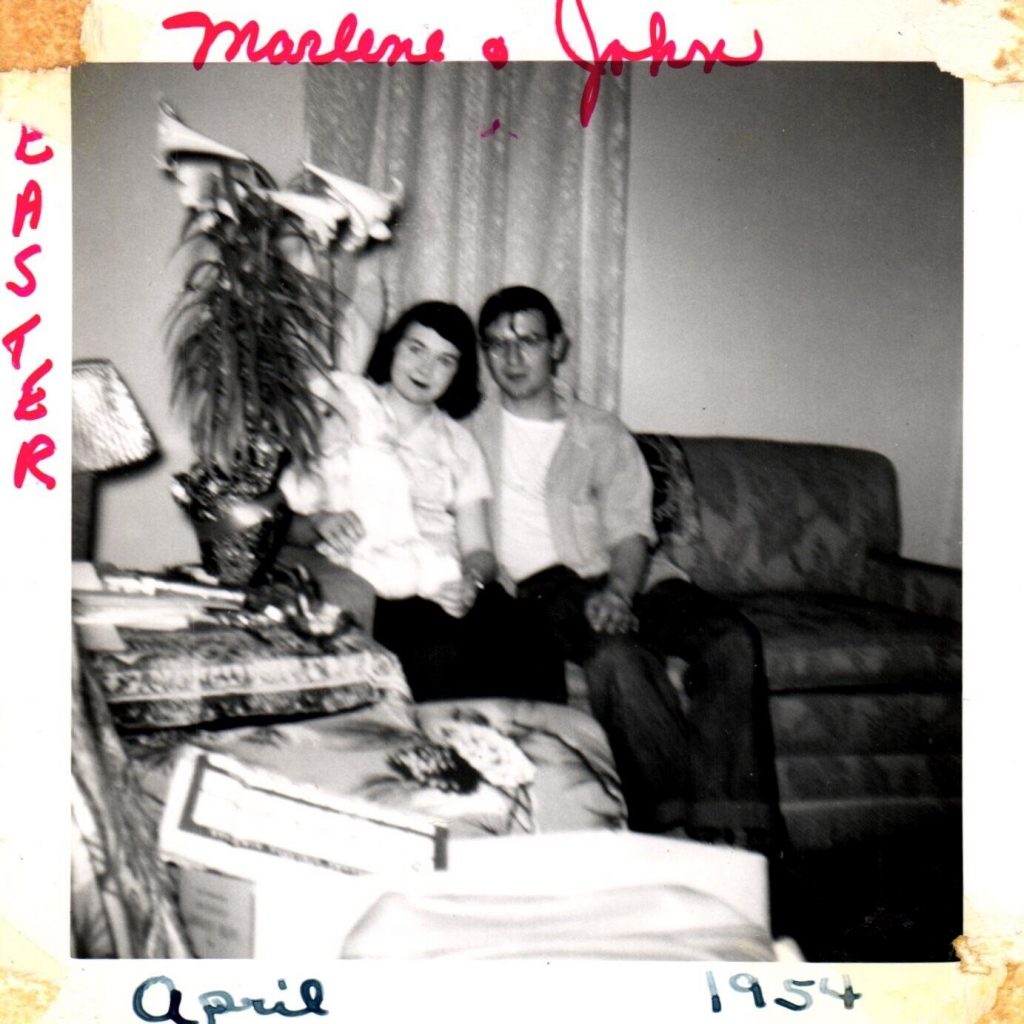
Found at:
(503, 186)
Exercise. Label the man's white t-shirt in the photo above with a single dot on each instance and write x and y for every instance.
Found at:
(525, 543)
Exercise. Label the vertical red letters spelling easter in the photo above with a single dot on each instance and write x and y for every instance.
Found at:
(28, 209)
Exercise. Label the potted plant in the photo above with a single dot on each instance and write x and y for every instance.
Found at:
(254, 321)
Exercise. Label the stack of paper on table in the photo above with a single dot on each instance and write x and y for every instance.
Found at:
(102, 603)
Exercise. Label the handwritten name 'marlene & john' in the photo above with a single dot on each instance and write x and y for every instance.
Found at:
(280, 48)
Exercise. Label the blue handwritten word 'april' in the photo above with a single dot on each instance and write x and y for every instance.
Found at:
(218, 1002)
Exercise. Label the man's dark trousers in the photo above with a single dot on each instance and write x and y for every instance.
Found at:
(711, 770)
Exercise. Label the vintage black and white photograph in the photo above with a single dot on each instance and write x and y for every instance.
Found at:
(495, 537)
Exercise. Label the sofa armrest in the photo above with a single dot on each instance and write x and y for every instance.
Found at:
(914, 586)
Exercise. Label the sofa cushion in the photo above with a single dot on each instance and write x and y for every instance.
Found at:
(786, 516)
(675, 510)
(858, 776)
(833, 641)
(836, 723)
(866, 823)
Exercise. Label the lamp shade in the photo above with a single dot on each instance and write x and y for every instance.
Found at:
(108, 429)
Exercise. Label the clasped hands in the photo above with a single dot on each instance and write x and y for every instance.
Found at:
(610, 612)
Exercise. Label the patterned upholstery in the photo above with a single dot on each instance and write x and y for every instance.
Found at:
(776, 515)
(215, 674)
(819, 641)
(862, 648)
(354, 754)
(675, 510)
(837, 724)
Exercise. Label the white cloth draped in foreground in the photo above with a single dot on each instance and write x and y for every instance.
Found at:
(589, 894)
(607, 895)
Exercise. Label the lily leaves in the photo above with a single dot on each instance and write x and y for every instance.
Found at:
(256, 317)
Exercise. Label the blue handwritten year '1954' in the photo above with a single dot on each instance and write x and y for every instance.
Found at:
(217, 1002)
(748, 983)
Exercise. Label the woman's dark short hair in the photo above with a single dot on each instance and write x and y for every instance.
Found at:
(519, 298)
(463, 394)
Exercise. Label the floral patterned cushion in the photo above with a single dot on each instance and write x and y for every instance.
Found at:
(786, 516)
(675, 508)
(484, 767)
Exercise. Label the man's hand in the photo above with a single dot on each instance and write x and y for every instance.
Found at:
(340, 530)
(609, 612)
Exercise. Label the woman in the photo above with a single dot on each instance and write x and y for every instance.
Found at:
(399, 498)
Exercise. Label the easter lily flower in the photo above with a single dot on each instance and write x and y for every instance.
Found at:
(174, 137)
(321, 215)
(194, 160)
(369, 209)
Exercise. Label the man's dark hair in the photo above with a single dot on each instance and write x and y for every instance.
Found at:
(452, 323)
(519, 298)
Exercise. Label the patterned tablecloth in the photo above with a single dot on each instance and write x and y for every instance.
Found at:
(214, 673)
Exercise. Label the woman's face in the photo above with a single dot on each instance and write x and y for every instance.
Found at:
(424, 365)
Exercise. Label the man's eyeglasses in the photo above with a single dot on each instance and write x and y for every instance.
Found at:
(526, 344)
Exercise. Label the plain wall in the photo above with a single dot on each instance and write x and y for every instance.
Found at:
(127, 220)
(794, 267)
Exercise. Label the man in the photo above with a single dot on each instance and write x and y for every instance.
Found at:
(571, 524)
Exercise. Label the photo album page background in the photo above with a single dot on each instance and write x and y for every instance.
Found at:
(815, 247)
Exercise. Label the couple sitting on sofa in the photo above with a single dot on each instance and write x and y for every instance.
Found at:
(499, 547)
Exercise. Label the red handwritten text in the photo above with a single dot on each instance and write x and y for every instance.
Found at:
(28, 208)
(614, 56)
(496, 52)
(280, 48)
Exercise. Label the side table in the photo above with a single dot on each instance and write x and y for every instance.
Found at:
(163, 660)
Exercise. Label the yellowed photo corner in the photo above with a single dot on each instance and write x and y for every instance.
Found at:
(40, 34)
(30, 979)
(41, 99)
(977, 40)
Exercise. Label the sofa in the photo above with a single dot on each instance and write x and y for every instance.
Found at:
(861, 647)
